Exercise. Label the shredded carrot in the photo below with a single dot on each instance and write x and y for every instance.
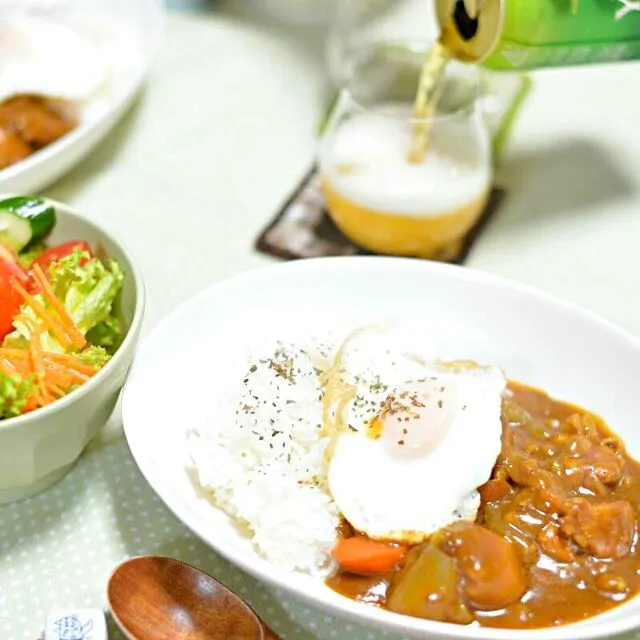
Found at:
(15, 368)
(35, 350)
(61, 373)
(5, 352)
(73, 363)
(32, 403)
(55, 373)
(366, 556)
(66, 360)
(50, 321)
(6, 367)
(57, 391)
(60, 378)
(75, 335)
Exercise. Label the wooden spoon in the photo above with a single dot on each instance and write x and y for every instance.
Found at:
(157, 598)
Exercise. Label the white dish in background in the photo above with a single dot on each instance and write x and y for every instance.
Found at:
(537, 339)
(127, 35)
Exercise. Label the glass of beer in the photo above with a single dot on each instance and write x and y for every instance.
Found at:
(375, 190)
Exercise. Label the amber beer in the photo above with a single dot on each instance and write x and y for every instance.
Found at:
(389, 204)
(530, 34)
(438, 235)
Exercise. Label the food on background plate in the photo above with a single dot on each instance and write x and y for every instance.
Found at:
(31, 122)
(432, 489)
(58, 309)
(56, 72)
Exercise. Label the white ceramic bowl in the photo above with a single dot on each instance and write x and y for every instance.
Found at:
(536, 339)
(143, 21)
(37, 449)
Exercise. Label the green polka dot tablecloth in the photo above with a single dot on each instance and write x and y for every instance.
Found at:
(58, 549)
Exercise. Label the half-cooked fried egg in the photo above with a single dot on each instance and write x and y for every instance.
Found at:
(417, 441)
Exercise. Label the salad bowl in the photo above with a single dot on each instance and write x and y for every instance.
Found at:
(39, 447)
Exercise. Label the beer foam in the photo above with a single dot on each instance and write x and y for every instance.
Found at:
(365, 160)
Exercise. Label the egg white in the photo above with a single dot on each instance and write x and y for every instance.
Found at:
(376, 359)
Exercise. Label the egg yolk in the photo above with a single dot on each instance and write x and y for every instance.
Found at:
(415, 418)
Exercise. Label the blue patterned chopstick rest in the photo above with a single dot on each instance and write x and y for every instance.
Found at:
(76, 624)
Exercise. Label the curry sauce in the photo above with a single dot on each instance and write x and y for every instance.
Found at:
(555, 540)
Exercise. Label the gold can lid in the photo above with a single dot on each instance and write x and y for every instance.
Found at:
(471, 29)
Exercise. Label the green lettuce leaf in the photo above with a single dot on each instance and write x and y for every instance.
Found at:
(107, 334)
(87, 287)
(93, 356)
(27, 256)
(14, 393)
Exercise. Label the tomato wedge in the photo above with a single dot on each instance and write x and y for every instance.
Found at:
(10, 266)
(10, 303)
(53, 254)
(10, 299)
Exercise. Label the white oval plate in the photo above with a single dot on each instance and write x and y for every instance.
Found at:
(539, 340)
(139, 26)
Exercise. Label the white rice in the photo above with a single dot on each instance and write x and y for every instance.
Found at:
(261, 459)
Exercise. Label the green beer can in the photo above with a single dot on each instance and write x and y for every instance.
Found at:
(531, 34)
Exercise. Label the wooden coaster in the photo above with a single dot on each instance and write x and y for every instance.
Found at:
(303, 229)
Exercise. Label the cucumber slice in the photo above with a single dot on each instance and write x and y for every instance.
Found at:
(15, 231)
(36, 212)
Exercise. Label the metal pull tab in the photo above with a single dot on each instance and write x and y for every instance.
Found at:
(471, 7)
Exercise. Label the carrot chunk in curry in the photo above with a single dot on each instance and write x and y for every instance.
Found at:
(558, 525)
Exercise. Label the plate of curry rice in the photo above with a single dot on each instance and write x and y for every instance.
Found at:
(422, 448)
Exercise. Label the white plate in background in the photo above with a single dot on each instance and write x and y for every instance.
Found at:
(129, 33)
